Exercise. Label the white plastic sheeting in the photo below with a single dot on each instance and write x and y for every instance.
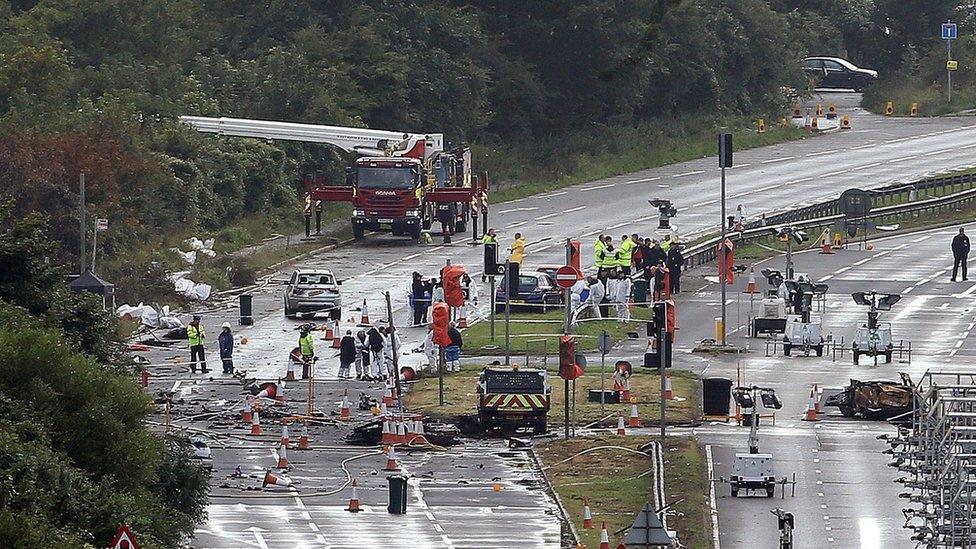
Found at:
(150, 316)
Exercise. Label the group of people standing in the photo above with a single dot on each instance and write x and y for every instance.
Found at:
(371, 351)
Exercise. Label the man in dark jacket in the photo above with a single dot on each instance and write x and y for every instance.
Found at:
(960, 252)
(376, 342)
(226, 342)
(421, 301)
(676, 261)
(347, 355)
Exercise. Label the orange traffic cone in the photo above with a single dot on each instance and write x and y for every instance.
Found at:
(255, 423)
(668, 389)
(825, 246)
(814, 125)
(401, 432)
(625, 394)
(337, 340)
(329, 330)
(811, 414)
(751, 285)
(364, 318)
(283, 457)
(621, 428)
(388, 397)
(816, 398)
(419, 428)
(271, 391)
(634, 419)
(303, 439)
(587, 516)
(290, 374)
(604, 537)
(391, 462)
(344, 411)
(463, 318)
(271, 479)
(354, 500)
(284, 434)
(246, 413)
(279, 395)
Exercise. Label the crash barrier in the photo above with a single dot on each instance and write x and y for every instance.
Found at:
(900, 351)
(828, 213)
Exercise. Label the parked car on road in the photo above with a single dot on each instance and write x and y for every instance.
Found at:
(834, 72)
(310, 292)
(537, 292)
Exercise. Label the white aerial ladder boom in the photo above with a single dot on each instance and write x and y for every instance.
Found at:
(363, 141)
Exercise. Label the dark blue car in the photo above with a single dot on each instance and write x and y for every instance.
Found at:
(537, 292)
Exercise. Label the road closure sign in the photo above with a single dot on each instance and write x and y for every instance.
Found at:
(566, 276)
(124, 539)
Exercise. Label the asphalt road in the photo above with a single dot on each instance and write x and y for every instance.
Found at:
(845, 495)
(877, 151)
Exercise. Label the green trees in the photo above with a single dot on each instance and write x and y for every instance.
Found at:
(76, 455)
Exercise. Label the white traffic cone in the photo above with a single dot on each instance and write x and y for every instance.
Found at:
(587, 516)
(751, 287)
(668, 388)
(391, 461)
(282, 457)
(621, 427)
(255, 423)
(344, 411)
(284, 435)
(290, 374)
(303, 439)
(604, 537)
(634, 418)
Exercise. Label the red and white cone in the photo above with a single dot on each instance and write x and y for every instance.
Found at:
(388, 397)
(290, 374)
(284, 435)
(604, 536)
(587, 516)
(419, 429)
(463, 317)
(271, 391)
(383, 410)
(255, 423)
(621, 427)
(272, 479)
(391, 461)
(625, 394)
(751, 287)
(246, 413)
(344, 411)
(279, 395)
(401, 432)
(389, 436)
(303, 439)
(816, 398)
(354, 499)
(364, 317)
(668, 388)
(634, 418)
(329, 330)
(811, 414)
(282, 457)
(337, 341)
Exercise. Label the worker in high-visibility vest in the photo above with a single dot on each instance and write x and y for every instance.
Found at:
(625, 254)
(490, 237)
(196, 335)
(307, 349)
(599, 248)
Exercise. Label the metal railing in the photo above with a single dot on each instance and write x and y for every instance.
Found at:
(827, 213)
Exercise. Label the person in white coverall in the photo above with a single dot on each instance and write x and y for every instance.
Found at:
(576, 294)
(597, 293)
(623, 294)
(473, 309)
(430, 349)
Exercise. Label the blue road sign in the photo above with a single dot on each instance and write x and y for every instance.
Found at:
(949, 31)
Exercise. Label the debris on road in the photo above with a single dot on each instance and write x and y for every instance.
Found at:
(878, 400)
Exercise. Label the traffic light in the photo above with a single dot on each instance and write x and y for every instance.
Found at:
(453, 290)
(442, 317)
(659, 317)
(492, 267)
(568, 369)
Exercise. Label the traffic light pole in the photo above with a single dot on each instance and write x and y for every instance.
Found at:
(722, 262)
(491, 313)
(566, 330)
(396, 351)
(508, 310)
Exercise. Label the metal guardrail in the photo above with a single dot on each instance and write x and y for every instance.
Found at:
(828, 212)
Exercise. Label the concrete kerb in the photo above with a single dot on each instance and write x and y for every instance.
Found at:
(564, 515)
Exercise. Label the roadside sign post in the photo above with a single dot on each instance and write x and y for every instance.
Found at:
(949, 33)
(724, 161)
(491, 313)
(605, 344)
(508, 311)
(396, 351)
(101, 224)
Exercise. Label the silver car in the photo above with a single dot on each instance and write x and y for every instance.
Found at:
(311, 292)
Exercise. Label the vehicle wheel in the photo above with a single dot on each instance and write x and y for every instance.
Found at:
(770, 491)
(819, 350)
(856, 356)
(357, 232)
(735, 491)
(540, 428)
(786, 349)
(846, 410)
(461, 226)
(888, 357)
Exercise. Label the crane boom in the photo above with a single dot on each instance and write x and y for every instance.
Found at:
(364, 141)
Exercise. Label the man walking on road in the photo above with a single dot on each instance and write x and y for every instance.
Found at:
(960, 253)
(347, 356)
(196, 335)
(226, 342)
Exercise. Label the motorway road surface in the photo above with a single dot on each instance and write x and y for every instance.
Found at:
(877, 151)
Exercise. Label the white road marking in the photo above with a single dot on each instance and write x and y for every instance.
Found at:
(783, 159)
(831, 174)
(576, 209)
(644, 180)
(529, 209)
(597, 187)
(547, 216)
(711, 497)
(696, 172)
(831, 151)
(902, 159)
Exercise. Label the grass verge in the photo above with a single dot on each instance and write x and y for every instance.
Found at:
(460, 396)
(611, 482)
(530, 329)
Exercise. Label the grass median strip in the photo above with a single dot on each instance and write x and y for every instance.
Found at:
(460, 396)
(528, 330)
(617, 483)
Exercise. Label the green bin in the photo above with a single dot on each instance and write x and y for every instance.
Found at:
(398, 494)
